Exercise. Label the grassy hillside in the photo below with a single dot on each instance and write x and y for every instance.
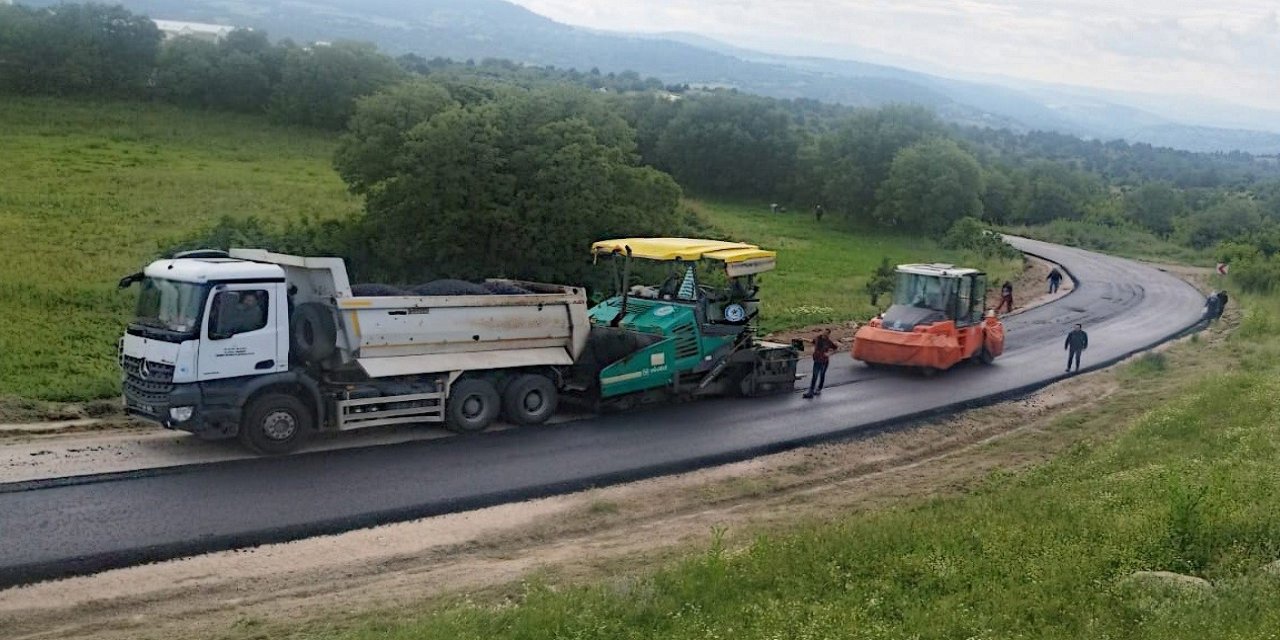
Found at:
(91, 190)
(1128, 242)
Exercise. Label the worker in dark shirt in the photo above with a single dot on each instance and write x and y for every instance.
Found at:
(1077, 342)
(823, 347)
(1055, 279)
(1214, 305)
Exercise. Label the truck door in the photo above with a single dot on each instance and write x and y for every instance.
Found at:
(240, 336)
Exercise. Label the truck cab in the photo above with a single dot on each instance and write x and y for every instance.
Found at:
(201, 318)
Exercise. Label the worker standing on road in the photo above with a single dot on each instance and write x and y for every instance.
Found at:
(1055, 279)
(823, 347)
(1006, 297)
(1077, 342)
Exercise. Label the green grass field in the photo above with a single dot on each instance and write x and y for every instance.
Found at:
(92, 190)
(823, 267)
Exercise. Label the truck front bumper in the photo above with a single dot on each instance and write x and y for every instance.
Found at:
(207, 420)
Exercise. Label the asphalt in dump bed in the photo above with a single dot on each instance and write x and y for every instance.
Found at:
(51, 530)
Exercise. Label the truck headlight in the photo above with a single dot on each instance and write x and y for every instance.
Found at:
(181, 414)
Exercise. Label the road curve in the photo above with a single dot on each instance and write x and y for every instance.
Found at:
(57, 528)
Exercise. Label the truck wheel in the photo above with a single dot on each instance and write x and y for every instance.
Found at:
(275, 423)
(313, 336)
(985, 356)
(473, 406)
(530, 399)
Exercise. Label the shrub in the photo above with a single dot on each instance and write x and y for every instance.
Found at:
(881, 281)
(1256, 273)
(970, 234)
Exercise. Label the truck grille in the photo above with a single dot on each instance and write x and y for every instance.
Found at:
(150, 390)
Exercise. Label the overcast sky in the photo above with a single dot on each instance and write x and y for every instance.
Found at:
(1226, 49)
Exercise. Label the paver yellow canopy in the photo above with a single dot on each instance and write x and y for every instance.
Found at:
(739, 258)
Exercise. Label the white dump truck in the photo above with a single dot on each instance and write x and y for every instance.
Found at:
(272, 348)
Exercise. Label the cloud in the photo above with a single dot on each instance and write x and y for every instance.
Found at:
(1230, 48)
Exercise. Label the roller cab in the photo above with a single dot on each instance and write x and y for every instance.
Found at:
(937, 320)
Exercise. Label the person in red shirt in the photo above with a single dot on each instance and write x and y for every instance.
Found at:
(823, 347)
(1006, 297)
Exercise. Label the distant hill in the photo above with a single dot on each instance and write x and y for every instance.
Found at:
(478, 29)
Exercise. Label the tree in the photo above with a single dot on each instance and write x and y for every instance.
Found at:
(319, 85)
(1154, 205)
(844, 168)
(729, 144)
(187, 71)
(1232, 218)
(931, 184)
(242, 82)
(516, 187)
(76, 49)
(881, 281)
(373, 144)
(1002, 195)
(649, 115)
(1056, 191)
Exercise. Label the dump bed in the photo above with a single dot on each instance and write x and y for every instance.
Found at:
(408, 335)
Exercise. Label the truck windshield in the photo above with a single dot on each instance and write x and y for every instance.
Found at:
(171, 305)
(925, 292)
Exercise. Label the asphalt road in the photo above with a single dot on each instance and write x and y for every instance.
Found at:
(51, 529)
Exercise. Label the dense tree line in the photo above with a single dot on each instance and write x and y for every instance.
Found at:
(902, 166)
(99, 50)
(439, 146)
(76, 49)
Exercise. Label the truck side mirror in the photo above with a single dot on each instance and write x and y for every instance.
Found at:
(128, 280)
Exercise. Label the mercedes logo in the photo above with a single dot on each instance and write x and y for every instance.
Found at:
(144, 369)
